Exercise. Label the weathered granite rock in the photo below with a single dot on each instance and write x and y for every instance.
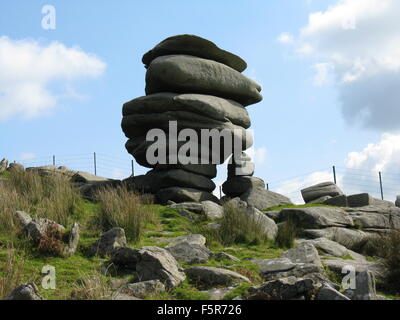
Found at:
(212, 210)
(304, 253)
(224, 256)
(16, 167)
(237, 185)
(317, 217)
(3, 164)
(28, 291)
(170, 74)
(332, 248)
(73, 240)
(52, 171)
(320, 190)
(339, 265)
(218, 293)
(364, 199)
(321, 199)
(397, 203)
(191, 239)
(263, 199)
(206, 105)
(338, 201)
(328, 293)
(189, 253)
(81, 177)
(177, 195)
(364, 287)
(206, 170)
(268, 225)
(143, 288)
(158, 264)
(23, 218)
(346, 237)
(283, 289)
(90, 190)
(194, 46)
(211, 276)
(37, 228)
(109, 242)
(378, 217)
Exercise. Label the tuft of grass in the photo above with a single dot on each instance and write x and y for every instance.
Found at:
(12, 271)
(52, 197)
(237, 226)
(287, 233)
(119, 207)
(238, 291)
(391, 261)
(91, 287)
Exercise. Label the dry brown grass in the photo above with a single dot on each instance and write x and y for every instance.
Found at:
(52, 197)
(13, 268)
(122, 208)
(91, 287)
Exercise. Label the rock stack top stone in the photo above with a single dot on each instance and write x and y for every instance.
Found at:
(194, 46)
(188, 74)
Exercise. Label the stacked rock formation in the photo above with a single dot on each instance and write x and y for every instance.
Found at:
(200, 86)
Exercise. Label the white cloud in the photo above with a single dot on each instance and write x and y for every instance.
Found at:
(292, 187)
(27, 156)
(360, 40)
(322, 73)
(29, 69)
(285, 38)
(381, 156)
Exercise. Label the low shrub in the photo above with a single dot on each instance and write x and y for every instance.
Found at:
(287, 233)
(119, 207)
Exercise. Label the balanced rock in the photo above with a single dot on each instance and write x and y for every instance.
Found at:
(191, 85)
(237, 185)
(320, 190)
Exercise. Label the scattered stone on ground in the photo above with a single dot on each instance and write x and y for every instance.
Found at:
(109, 242)
(28, 291)
(211, 276)
(143, 288)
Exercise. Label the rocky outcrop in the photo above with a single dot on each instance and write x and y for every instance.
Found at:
(320, 190)
(317, 217)
(3, 164)
(109, 242)
(211, 276)
(189, 252)
(143, 288)
(290, 288)
(214, 99)
(28, 291)
(149, 263)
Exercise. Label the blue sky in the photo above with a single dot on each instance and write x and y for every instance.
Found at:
(314, 113)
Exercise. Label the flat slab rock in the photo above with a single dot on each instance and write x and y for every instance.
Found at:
(211, 276)
(179, 195)
(170, 74)
(290, 288)
(317, 217)
(346, 237)
(337, 265)
(263, 199)
(189, 252)
(143, 288)
(320, 190)
(195, 46)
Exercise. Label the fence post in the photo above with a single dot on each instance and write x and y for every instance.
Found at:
(268, 186)
(95, 163)
(133, 169)
(54, 160)
(220, 192)
(380, 183)
(334, 174)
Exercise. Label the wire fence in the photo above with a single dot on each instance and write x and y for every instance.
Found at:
(379, 184)
(97, 163)
(383, 185)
